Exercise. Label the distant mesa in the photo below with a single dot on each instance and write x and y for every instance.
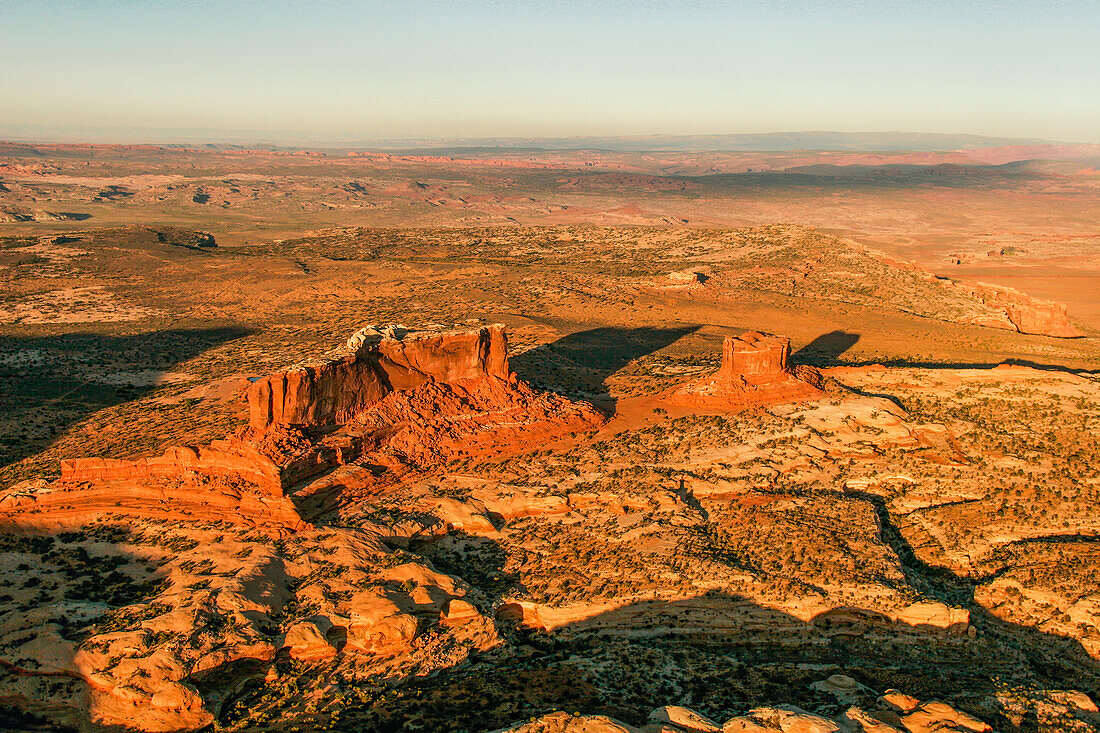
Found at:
(19, 214)
(755, 370)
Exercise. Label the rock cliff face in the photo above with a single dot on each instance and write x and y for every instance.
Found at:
(755, 370)
(393, 398)
(1027, 314)
(335, 391)
(230, 458)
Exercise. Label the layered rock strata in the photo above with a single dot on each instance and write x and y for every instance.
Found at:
(755, 370)
(417, 398)
(334, 391)
(268, 462)
(1025, 313)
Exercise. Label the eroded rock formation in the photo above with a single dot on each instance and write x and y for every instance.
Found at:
(864, 711)
(334, 391)
(1027, 314)
(755, 370)
(390, 397)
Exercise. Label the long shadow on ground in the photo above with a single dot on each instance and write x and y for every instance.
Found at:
(724, 654)
(582, 361)
(49, 383)
(826, 349)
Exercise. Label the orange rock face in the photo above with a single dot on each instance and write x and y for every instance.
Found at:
(419, 398)
(755, 370)
(1027, 314)
(334, 392)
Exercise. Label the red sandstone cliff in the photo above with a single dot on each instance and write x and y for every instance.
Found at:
(335, 391)
(392, 396)
(1027, 314)
(755, 370)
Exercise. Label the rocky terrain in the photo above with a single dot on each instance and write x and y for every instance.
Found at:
(751, 556)
(573, 478)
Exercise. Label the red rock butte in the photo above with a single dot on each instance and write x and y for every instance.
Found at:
(755, 370)
(381, 361)
(406, 401)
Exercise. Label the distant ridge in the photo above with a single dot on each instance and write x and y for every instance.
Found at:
(740, 142)
(749, 142)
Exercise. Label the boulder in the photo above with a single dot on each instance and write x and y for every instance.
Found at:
(898, 701)
(860, 720)
(177, 696)
(562, 722)
(935, 616)
(459, 612)
(843, 688)
(939, 716)
(792, 719)
(521, 614)
(377, 626)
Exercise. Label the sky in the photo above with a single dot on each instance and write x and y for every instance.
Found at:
(465, 68)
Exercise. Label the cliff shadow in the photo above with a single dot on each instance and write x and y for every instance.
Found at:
(50, 383)
(718, 652)
(580, 363)
(1012, 361)
(826, 349)
(722, 654)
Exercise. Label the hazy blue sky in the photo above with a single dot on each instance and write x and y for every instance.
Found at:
(423, 68)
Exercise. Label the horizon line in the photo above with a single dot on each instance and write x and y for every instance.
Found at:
(22, 133)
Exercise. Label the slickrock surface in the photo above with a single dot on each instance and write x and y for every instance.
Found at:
(861, 710)
(231, 608)
(755, 370)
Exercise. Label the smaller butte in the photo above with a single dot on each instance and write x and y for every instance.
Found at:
(756, 370)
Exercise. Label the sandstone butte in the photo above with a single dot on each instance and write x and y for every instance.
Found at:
(404, 400)
(755, 370)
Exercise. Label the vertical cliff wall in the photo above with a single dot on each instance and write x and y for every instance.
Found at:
(754, 357)
(335, 391)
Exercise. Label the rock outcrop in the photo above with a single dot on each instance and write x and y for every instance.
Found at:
(271, 460)
(379, 363)
(390, 396)
(755, 370)
(866, 712)
(1027, 314)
